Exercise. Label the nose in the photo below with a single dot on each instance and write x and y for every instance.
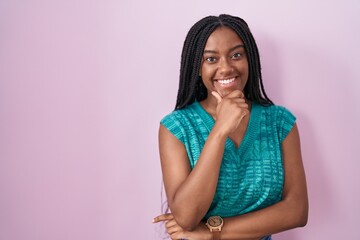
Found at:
(225, 67)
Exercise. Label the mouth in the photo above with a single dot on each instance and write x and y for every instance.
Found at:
(228, 84)
(225, 82)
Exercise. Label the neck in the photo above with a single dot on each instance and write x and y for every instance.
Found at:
(209, 104)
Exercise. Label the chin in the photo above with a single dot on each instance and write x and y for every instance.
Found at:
(225, 92)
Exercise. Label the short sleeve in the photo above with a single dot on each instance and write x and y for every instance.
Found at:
(286, 121)
(172, 124)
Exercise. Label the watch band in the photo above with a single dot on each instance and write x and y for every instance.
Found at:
(216, 235)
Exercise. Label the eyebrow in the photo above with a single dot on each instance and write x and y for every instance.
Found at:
(231, 49)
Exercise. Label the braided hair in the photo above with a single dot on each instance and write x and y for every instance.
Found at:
(191, 86)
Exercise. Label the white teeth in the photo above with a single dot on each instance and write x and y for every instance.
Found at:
(226, 81)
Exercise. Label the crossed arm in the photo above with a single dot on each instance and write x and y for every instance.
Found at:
(190, 193)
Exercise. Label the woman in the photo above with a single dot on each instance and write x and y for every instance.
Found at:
(230, 158)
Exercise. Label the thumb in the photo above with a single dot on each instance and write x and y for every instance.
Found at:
(217, 96)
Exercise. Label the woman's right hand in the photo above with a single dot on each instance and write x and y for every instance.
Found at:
(230, 111)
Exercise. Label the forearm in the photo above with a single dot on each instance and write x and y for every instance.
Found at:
(279, 217)
(193, 198)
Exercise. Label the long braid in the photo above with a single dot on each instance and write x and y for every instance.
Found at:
(191, 62)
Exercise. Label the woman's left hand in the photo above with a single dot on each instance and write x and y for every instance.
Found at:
(201, 232)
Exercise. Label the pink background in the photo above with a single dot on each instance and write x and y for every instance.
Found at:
(83, 85)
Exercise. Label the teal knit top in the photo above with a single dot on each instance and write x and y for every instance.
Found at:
(251, 176)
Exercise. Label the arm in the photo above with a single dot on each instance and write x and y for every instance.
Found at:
(190, 192)
(290, 212)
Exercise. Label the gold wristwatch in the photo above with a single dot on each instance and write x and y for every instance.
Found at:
(215, 224)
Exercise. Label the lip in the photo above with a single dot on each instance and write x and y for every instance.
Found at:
(223, 78)
(225, 82)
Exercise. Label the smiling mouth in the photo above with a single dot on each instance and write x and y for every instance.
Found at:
(226, 81)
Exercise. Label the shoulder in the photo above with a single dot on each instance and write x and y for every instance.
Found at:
(179, 121)
(278, 118)
(175, 115)
(178, 115)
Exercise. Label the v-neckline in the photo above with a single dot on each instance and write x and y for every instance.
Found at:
(249, 133)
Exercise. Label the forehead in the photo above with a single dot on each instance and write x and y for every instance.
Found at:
(223, 37)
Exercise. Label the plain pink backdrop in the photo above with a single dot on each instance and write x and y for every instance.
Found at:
(83, 85)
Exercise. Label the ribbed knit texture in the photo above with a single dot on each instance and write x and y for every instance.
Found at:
(251, 176)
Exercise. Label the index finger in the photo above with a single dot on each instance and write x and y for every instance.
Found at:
(217, 96)
(163, 217)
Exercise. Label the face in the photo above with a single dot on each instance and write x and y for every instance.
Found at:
(224, 66)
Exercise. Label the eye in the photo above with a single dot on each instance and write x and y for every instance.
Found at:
(210, 59)
(236, 56)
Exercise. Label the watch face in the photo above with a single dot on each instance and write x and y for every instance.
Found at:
(215, 221)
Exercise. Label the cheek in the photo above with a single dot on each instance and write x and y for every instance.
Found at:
(207, 83)
(244, 69)
(204, 69)
(244, 66)
(207, 73)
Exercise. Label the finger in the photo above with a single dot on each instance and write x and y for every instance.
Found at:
(170, 223)
(179, 236)
(236, 94)
(163, 217)
(243, 105)
(217, 96)
(244, 114)
(173, 229)
(174, 236)
(238, 100)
